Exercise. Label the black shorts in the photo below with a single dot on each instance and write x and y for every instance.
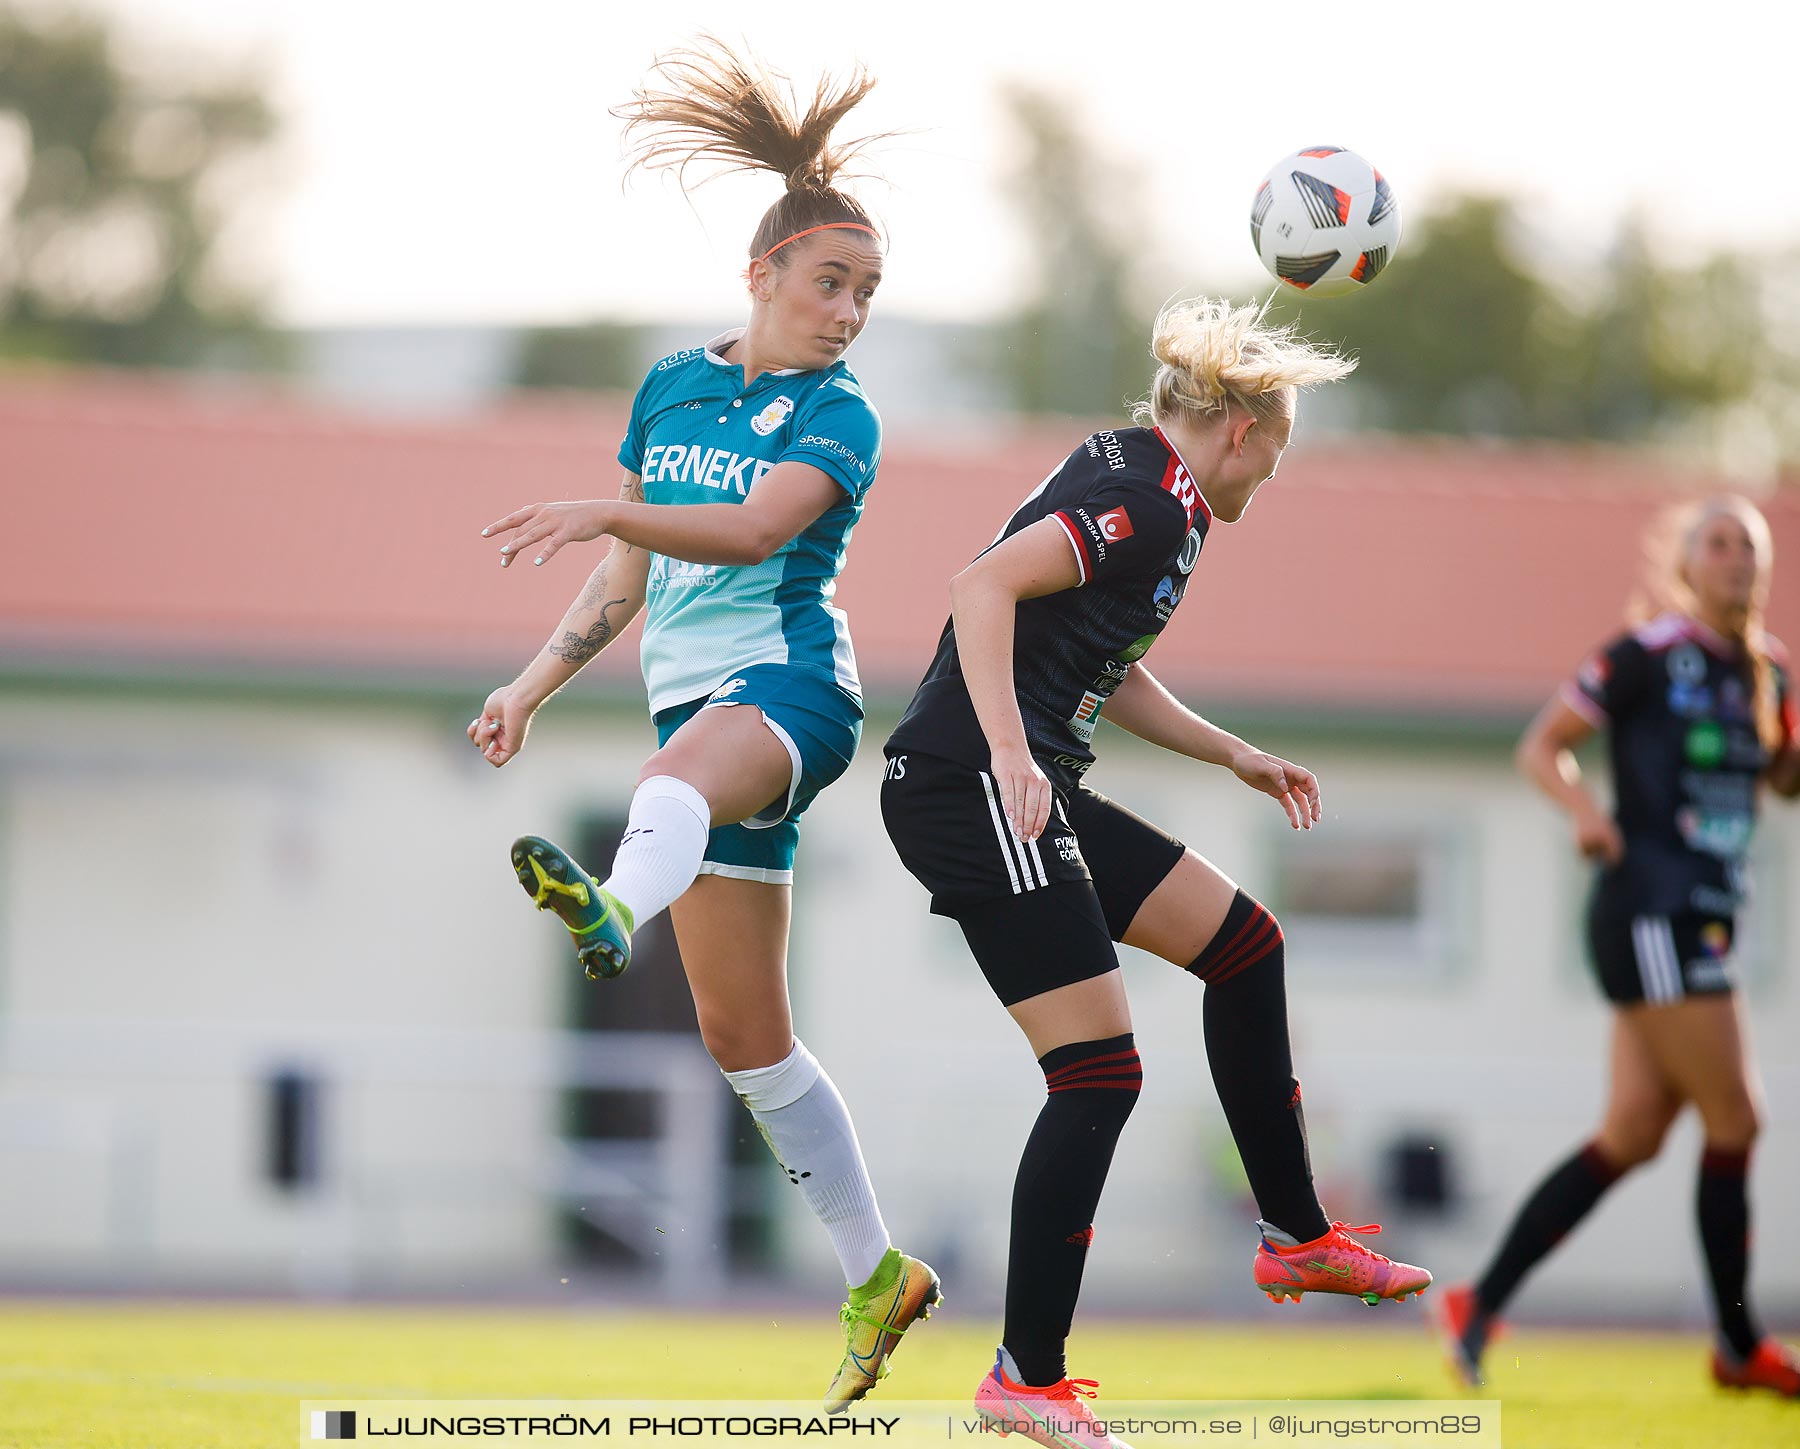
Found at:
(1038, 914)
(1658, 958)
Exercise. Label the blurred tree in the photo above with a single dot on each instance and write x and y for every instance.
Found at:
(115, 186)
(1458, 336)
(1461, 335)
(1080, 344)
(1777, 390)
(1665, 342)
(600, 355)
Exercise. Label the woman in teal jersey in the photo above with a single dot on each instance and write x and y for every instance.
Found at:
(747, 463)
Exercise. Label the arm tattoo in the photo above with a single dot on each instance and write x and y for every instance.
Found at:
(596, 589)
(579, 648)
(632, 492)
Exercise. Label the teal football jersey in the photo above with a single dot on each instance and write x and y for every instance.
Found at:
(698, 435)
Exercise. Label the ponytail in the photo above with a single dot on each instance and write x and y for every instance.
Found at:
(704, 105)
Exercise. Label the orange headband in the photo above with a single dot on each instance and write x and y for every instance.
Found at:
(828, 226)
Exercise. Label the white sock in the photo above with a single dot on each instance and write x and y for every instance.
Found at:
(807, 1127)
(665, 841)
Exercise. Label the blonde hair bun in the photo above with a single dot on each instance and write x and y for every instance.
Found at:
(1210, 354)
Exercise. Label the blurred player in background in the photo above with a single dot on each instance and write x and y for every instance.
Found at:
(1699, 711)
(985, 801)
(747, 463)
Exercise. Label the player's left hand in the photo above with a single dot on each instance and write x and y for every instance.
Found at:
(545, 527)
(499, 730)
(1295, 787)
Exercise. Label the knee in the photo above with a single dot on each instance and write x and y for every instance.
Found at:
(736, 1045)
(783, 1079)
(1734, 1125)
(1250, 935)
(1627, 1145)
(1108, 1073)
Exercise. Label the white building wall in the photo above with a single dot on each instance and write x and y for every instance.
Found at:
(194, 893)
(1499, 1049)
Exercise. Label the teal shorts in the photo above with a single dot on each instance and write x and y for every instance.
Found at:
(820, 723)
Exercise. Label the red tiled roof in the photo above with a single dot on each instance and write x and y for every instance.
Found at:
(153, 522)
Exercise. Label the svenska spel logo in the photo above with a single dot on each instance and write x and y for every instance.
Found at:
(334, 1423)
(1115, 525)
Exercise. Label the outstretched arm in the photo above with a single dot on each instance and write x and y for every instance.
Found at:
(1143, 707)
(608, 602)
(784, 502)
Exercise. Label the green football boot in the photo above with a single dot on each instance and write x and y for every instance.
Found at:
(902, 1291)
(599, 922)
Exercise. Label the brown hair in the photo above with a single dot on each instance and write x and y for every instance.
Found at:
(735, 114)
(1670, 542)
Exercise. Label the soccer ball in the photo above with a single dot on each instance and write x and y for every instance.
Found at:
(1325, 222)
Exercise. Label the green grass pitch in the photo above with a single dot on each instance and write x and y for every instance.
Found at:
(153, 1376)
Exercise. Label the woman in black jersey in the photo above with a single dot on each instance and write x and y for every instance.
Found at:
(1698, 713)
(984, 800)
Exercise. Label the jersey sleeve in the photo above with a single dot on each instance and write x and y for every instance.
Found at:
(1611, 682)
(631, 448)
(840, 433)
(1123, 531)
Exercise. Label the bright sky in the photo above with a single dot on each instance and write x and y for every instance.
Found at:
(453, 160)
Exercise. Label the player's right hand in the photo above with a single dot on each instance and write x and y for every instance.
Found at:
(1294, 786)
(1597, 837)
(1024, 791)
(499, 730)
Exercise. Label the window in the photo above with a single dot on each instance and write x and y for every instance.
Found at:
(1394, 898)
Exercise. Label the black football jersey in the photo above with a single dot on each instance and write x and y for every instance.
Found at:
(1676, 700)
(1135, 520)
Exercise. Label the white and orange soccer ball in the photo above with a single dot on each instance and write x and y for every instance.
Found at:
(1325, 222)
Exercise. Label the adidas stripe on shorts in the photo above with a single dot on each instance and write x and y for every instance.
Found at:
(1659, 959)
(946, 822)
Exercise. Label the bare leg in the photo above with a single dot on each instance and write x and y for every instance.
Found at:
(734, 939)
(1641, 1102)
(731, 757)
(1090, 1010)
(1700, 1045)
(733, 936)
(1180, 917)
(1698, 1048)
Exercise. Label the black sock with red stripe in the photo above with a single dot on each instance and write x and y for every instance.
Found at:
(1560, 1201)
(1723, 1207)
(1093, 1087)
(1246, 1025)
